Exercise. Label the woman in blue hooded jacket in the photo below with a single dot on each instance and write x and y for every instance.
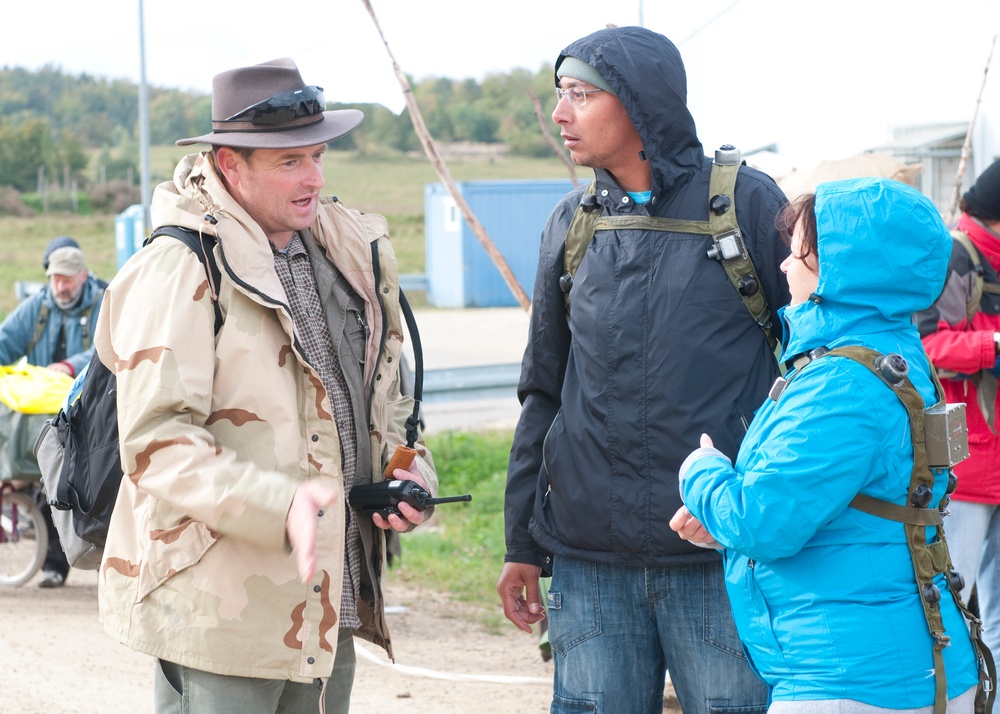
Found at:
(824, 595)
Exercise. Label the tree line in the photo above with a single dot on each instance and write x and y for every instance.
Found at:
(53, 123)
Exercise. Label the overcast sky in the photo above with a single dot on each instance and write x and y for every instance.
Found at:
(820, 79)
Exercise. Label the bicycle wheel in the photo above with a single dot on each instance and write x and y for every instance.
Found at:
(24, 538)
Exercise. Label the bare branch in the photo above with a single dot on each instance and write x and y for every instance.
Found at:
(430, 149)
(551, 139)
(967, 146)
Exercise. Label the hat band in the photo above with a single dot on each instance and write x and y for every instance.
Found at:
(222, 127)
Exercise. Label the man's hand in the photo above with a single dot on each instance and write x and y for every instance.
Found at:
(518, 590)
(301, 525)
(690, 528)
(411, 516)
(60, 367)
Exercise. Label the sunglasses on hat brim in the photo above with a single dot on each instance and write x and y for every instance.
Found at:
(282, 108)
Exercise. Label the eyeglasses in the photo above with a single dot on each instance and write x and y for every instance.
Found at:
(284, 107)
(576, 96)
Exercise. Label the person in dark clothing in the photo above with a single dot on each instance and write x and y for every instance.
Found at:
(53, 329)
(656, 348)
(961, 334)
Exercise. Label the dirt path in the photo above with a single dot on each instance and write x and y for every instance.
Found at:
(57, 660)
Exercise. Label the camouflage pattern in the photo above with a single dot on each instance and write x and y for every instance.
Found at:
(218, 431)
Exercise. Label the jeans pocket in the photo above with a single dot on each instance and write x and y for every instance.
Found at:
(573, 604)
(168, 688)
(561, 705)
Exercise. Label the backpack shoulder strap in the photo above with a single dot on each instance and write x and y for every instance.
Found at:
(87, 322)
(413, 421)
(728, 246)
(972, 306)
(40, 323)
(202, 245)
(578, 236)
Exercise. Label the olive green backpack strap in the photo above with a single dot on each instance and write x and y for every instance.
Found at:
(40, 324)
(929, 559)
(728, 246)
(972, 306)
(578, 236)
(87, 322)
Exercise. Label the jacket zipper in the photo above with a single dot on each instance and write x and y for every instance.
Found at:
(236, 278)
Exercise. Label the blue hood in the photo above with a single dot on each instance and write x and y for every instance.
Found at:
(883, 255)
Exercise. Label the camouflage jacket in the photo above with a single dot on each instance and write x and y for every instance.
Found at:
(218, 430)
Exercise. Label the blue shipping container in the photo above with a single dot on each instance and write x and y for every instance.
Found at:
(460, 273)
(130, 232)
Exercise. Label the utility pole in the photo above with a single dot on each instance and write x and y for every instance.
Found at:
(143, 122)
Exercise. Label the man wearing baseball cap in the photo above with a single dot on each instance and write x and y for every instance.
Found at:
(54, 328)
(233, 556)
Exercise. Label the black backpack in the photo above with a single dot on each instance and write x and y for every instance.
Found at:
(78, 452)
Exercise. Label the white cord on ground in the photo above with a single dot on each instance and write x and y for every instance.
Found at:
(450, 676)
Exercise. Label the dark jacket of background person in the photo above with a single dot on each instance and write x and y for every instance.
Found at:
(658, 346)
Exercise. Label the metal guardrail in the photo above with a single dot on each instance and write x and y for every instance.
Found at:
(479, 382)
(412, 282)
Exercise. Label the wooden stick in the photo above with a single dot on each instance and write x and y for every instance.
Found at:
(551, 139)
(967, 145)
(430, 148)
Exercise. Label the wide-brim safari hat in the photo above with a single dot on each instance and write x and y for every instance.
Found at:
(268, 106)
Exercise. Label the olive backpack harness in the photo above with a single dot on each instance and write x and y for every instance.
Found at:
(938, 438)
(979, 285)
(728, 246)
(86, 320)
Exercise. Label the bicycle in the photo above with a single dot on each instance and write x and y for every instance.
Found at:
(24, 537)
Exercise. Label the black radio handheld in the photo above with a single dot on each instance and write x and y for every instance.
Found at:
(384, 497)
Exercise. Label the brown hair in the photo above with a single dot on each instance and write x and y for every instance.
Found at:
(801, 211)
(244, 151)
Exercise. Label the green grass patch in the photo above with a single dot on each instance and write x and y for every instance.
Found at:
(461, 550)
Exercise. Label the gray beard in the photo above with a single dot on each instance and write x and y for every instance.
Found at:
(65, 304)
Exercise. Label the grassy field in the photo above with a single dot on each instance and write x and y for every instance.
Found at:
(463, 546)
(393, 187)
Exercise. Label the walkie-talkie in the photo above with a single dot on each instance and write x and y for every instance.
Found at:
(383, 497)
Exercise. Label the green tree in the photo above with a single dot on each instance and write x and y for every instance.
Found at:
(25, 149)
(170, 117)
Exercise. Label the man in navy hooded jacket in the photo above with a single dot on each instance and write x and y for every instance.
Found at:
(656, 349)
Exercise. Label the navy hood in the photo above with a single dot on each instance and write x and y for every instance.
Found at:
(646, 73)
(883, 254)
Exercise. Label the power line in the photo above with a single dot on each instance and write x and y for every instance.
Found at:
(709, 22)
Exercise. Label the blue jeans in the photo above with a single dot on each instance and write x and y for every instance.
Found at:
(615, 631)
(973, 534)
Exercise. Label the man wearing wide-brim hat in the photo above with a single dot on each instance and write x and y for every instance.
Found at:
(233, 556)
